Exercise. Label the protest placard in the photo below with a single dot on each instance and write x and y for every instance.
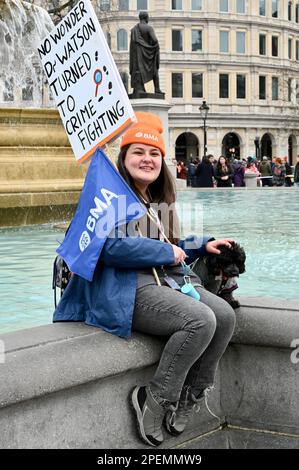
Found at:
(84, 81)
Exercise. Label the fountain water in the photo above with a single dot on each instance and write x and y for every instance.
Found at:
(39, 179)
(22, 27)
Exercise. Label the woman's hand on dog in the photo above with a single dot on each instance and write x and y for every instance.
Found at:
(212, 247)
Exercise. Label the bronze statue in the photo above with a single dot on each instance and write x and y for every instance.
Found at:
(144, 57)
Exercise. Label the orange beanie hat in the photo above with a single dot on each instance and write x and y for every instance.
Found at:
(147, 130)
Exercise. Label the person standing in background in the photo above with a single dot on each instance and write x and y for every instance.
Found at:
(266, 172)
(205, 172)
(289, 173)
(279, 172)
(239, 174)
(223, 173)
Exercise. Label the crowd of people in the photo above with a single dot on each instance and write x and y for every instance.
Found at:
(210, 172)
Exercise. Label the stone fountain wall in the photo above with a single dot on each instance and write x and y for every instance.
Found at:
(54, 396)
(40, 180)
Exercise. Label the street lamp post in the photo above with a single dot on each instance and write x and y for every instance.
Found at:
(204, 109)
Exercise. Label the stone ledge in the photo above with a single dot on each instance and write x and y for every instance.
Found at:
(42, 199)
(44, 348)
(46, 370)
(41, 186)
(66, 386)
(267, 322)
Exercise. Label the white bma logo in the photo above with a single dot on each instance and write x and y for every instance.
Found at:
(84, 241)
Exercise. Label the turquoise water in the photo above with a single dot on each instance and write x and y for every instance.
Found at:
(265, 223)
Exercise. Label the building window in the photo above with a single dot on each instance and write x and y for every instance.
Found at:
(274, 8)
(297, 50)
(262, 87)
(223, 5)
(290, 7)
(196, 5)
(177, 40)
(122, 40)
(262, 7)
(105, 5)
(197, 85)
(176, 4)
(274, 46)
(289, 89)
(297, 13)
(196, 40)
(224, 85)
(241, 86)
(141, 5)
(274, 88)
(123, 5)
(223, 41)
(177, 85)
(263, 44)
(290, 48)
(8, 93)
(240, 42)
(240, 6)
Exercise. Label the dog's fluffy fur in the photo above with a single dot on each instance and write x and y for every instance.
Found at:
(231, 261)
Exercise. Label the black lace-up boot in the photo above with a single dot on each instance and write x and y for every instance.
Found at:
(177, 419)
(149, 410)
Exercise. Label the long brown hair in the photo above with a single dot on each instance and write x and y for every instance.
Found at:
(160, 190)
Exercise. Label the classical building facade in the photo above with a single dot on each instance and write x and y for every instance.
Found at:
(240, 56)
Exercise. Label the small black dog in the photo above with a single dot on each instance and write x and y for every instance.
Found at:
(229, 263)
(218, 272)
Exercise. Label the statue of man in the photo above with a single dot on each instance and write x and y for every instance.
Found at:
(144, 55)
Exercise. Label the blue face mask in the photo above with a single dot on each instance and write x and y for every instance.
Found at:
(190, 290)
(188, 287)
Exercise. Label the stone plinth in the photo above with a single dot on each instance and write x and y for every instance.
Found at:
(250, 180)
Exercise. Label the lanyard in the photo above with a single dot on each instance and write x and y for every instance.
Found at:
(187, 271)
(153, 216)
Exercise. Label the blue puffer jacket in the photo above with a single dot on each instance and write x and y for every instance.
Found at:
(108, 301)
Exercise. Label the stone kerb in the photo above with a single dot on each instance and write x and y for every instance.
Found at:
(66, 385)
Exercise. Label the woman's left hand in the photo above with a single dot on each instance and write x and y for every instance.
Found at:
(212, 247)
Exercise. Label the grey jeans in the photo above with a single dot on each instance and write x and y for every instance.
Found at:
(197, 333)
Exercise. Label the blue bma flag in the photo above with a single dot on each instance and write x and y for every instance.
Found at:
(106, 202)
